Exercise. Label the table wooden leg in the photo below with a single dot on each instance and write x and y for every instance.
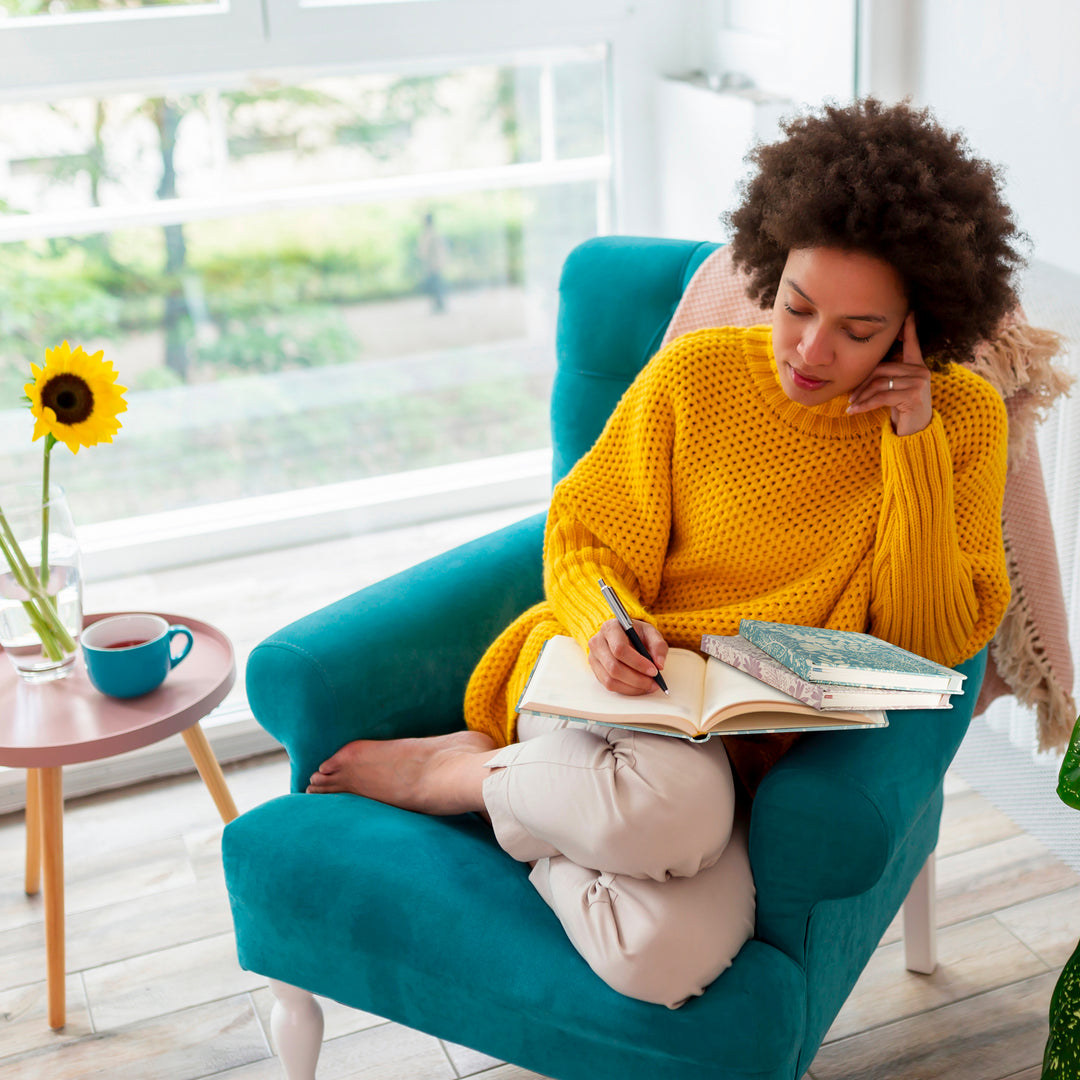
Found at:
(33, 832)
(210, 771)
(52, 864)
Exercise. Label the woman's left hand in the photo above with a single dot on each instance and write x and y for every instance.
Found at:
(902, 384)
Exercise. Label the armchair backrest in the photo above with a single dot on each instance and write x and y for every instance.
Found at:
(617, 295)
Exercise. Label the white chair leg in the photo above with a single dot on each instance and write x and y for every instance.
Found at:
(296, 1023)
(920, 921)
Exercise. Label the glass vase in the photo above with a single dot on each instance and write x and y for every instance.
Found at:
(40, 583)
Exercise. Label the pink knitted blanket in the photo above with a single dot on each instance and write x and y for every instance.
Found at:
(1029, 655)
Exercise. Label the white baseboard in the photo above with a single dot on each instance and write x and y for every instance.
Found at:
(233, 737)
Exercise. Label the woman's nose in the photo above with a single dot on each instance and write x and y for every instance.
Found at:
(814, 346)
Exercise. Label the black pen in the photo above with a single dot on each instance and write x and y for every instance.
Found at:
(624, 620)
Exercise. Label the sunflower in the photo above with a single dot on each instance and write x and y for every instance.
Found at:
(74, 397)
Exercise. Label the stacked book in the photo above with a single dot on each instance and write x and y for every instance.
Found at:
(769, 677)
(835, 670)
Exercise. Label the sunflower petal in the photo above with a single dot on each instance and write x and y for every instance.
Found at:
(94, 378)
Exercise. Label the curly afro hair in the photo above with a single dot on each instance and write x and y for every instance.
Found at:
(886, 181)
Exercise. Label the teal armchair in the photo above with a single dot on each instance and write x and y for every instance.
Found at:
(426, 921)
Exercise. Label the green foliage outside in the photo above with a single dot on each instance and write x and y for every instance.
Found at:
(269, 287)
(39, 296)
(250, 294)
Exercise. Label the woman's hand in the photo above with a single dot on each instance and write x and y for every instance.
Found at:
(618, 665)
(901, 382)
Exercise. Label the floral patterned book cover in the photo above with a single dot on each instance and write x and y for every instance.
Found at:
(847, 658)
(735, 650)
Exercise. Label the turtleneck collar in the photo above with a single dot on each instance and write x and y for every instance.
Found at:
(828, 420)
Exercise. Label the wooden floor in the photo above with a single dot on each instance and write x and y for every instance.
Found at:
(155, 992)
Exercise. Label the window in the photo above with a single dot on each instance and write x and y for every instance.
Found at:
(231, 200)
(301, 281)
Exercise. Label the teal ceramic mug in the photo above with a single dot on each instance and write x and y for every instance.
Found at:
(129, 655)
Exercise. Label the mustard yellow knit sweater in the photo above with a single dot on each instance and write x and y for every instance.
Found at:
(710, 496)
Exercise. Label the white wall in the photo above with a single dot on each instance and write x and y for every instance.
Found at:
(801, 51)
(1006, 73)
(759, 61)
(658, 37)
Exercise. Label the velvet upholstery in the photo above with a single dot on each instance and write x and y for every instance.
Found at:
(612, 319)
(427, 922)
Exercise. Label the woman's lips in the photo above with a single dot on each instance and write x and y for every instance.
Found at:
(804, 382)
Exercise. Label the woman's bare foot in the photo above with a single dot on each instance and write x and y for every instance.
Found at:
(442, 774)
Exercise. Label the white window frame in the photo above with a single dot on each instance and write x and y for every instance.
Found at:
(95, 50)
(481, 483)
(152, 52)
(374, 30)
(171, 46)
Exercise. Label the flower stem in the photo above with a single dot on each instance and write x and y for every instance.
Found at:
(50, 442)
(52, 648)
(22, 570)
(55, 639)
(49, 645)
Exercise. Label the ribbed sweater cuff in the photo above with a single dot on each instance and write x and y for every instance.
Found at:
(926, 584)
(574, 563)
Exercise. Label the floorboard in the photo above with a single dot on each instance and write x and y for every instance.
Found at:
(154, 990)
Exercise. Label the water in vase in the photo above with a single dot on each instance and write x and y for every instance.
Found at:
(18, 636)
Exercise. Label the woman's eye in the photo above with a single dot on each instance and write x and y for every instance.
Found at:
(802, 314)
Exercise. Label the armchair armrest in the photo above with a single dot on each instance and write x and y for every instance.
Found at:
(828, 818)
(393, 659)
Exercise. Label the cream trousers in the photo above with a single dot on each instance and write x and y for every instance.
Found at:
(636, 846)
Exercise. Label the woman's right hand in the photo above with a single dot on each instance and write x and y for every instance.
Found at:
(618, 665)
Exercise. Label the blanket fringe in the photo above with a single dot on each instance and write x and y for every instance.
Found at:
(1018, 363)
(1022, 662)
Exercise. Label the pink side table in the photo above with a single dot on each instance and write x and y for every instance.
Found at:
(48, 726)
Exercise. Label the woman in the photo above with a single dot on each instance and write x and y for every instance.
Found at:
(834, 470)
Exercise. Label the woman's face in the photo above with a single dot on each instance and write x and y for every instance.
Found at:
(836, 316)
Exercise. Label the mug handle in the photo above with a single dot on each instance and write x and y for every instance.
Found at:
(173, 632)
